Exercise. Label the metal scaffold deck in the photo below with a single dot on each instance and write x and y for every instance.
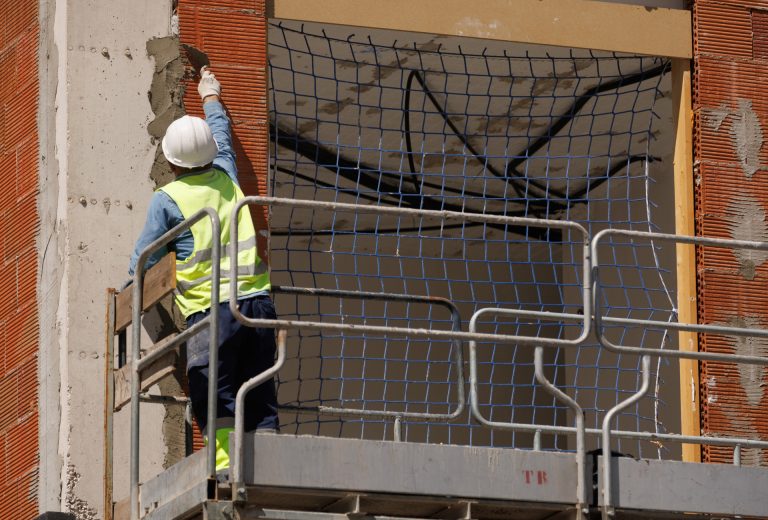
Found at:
(307, 478)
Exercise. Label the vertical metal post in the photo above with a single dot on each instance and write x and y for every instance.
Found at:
(587, 286)
(239, 451)
(109, 403)
(213, 346)
(537, 441)
(581, 450)
(737, 455)
(138, 292)
(398, 429)
(608, 509)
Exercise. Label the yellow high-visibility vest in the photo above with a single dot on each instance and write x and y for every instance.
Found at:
(216, 190)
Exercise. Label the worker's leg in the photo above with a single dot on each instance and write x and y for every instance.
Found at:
(198, 375)
(257, 354)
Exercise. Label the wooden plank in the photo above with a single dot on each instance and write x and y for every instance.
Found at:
(153, 374)
(686, 254)
(159, 281)
(585, 24)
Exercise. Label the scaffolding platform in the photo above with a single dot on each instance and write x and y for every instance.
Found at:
(291, 477)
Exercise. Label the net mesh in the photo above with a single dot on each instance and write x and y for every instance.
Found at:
(550, 133)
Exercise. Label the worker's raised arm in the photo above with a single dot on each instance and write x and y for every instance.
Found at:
(209, 89)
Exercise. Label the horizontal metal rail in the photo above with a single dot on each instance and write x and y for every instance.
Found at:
(407, 212)
(458, 357)
(625, 434)
(599, 319)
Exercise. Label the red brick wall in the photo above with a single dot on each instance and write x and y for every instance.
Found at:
(19, 36)
(730, 102)
(233, 33)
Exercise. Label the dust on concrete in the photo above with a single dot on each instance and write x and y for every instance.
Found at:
(747, 221)
(165, 97)
(74, 504)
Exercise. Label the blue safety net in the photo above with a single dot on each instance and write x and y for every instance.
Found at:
(421, 123)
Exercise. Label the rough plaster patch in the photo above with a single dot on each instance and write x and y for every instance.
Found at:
(714, 117)
(747, 222)
(165, 97)
(747, 137)
(746, 132)
(751, 377)
(751, 457)
(73, 503)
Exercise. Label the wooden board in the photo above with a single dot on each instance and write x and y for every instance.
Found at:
(153, 374)
(686, 255)
(159, 281)
(584, 24)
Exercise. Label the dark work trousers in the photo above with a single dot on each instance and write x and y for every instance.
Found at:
(244, 352)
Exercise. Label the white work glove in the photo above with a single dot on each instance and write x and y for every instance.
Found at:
(209, 85)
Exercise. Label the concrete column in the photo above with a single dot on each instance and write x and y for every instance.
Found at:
(95, 187)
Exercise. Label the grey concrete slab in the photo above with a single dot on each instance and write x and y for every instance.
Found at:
(671, 486)
(409, 468)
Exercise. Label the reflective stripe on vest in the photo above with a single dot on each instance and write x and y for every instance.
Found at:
(216, 190)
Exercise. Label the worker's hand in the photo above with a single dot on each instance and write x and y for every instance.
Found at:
(209, 85)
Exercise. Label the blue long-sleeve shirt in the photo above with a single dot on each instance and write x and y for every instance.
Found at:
(163, 213)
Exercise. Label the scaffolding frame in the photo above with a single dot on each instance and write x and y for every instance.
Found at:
(590, 290)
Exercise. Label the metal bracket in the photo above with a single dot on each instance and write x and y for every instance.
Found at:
(218, 510)
(351, 505)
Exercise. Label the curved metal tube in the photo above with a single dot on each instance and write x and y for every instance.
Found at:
(237, 466)
(138, 293)
(709, 329)
(608, 511)
(581, 450)
(457, 351)
(473, 380)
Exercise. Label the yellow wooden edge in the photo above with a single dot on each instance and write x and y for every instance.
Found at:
(585, 24)
(686, 254)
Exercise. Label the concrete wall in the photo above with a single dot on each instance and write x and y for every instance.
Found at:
(95, 189)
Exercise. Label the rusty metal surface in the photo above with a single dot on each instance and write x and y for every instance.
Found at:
(731, 200)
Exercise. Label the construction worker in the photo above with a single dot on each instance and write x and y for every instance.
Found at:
(202, 158)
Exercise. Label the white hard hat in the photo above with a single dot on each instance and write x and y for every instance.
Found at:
(189, 143)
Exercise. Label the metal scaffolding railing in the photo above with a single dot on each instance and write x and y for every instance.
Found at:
(591, 317)
(139, 362)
